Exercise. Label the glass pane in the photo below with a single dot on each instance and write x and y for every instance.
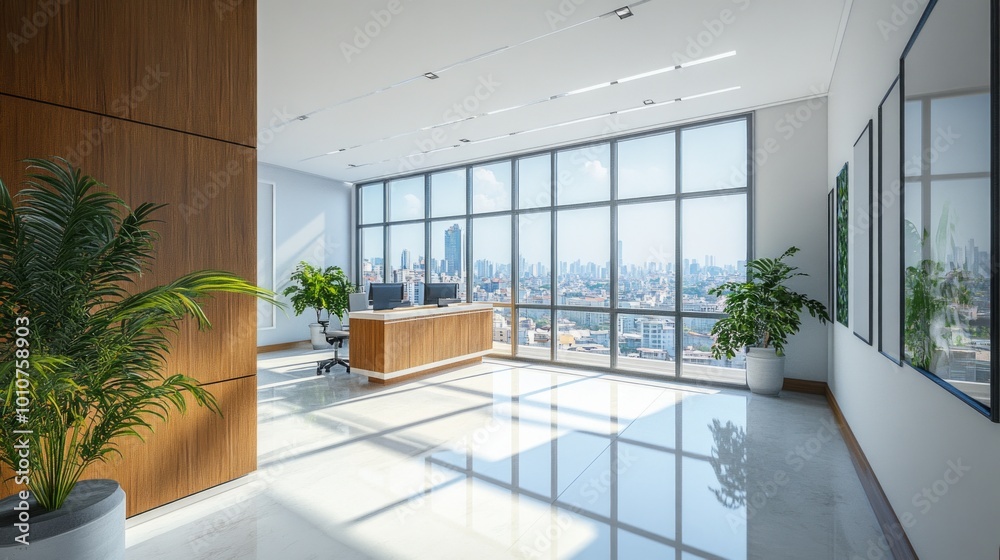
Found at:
(501, 330)
(372, 203)
(406, 256)
(697, 355)
(961, 137)
(372, 259)
(584, 338)
(448, 253)
(534, 333)
(584, 174)
(714, 245)
(406, 199)
(947, 285)
(448, 193)
(646, 343)
(491, 259)
(646, 247)
(584, 253)
(491, 187)
(714, 157)
(535, 257)
(534, 182)
(646, 166)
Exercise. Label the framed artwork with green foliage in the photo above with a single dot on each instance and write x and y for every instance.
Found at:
(842, 233)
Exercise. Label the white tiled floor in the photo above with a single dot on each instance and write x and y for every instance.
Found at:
(504, 460)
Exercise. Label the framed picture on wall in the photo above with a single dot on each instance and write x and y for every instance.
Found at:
(843, 231)
(861, 236)
(949, 131)
(890, 215)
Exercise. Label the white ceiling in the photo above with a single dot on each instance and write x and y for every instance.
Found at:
(784, 50)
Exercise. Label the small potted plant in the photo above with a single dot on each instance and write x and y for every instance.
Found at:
(81, 355)
(319, 289)
(762, 313)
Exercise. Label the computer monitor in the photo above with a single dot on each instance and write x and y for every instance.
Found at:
(386, 296)
(434, 292)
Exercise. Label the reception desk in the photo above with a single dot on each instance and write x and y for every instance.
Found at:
(394, 344)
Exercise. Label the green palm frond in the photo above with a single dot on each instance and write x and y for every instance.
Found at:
(70, 254)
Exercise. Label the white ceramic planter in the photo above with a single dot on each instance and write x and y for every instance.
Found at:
(89, 526)
(317, 337)
(765, 371)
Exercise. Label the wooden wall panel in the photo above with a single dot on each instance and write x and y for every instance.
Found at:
(157, 99)
(193, 451)
(188, 65)
(204, 226)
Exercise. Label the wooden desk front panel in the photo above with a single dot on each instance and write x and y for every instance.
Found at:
(389, 346)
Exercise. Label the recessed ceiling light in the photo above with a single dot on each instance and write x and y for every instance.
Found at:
(648, 102)
(464, 140)
(301, 117)
(624, 12)
(431, 75)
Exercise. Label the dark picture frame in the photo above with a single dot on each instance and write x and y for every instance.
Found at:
(843, 234)
(918, 179)
(862, 240)
(890, 227)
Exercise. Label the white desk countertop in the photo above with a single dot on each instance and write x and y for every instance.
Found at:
(417, 311)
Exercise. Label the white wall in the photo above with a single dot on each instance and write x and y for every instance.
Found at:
(790, 209)
(313, 222)
(911, 430)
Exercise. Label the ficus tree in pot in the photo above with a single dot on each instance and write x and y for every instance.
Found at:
(761, 313)
(318, 289)
(81, 349)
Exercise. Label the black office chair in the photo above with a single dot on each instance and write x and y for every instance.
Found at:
(358, 302)
(335, 339)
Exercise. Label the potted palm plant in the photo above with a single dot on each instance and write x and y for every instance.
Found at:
(762, 313)
(81, 355)
(319, 289)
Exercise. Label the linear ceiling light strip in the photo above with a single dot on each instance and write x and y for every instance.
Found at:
(437, 73)
(586, 89)
(556, 125)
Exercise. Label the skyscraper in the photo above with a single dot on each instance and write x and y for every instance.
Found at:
(404, 260)
(453, 250)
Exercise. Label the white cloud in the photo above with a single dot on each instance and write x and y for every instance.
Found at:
(596, 169)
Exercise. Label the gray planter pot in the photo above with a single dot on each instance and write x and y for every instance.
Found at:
(765, 371)
(317, 337)
(89, 526)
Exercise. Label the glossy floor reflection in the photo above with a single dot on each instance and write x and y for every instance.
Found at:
(504, 460)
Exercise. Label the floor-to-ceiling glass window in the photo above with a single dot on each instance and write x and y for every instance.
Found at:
(599, 255)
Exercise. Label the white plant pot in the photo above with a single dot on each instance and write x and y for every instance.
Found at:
(765, 371)
(318, 337)
(89, 526)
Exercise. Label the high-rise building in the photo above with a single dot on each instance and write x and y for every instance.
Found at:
(453, 250)
(404, 259)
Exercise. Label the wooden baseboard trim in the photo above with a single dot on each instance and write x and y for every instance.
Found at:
(892, 529)
(804, 386)
(282, 346)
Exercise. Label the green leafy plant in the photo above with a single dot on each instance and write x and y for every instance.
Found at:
(341, 288)
(762, 311)
(320, 289)
(82, 353)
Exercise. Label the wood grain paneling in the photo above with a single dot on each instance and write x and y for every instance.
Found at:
(209, 223)
(394, 345)
(188, 65)
(191, 452)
